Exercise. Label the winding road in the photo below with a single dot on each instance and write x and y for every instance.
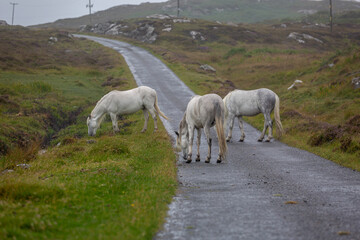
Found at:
(263, 191)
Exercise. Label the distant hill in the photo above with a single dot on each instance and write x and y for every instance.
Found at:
(245, 11)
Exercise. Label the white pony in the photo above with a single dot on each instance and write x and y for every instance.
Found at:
(125, 102)
(202, 112)
(240, 103)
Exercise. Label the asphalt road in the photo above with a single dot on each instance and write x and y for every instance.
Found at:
(263, 191)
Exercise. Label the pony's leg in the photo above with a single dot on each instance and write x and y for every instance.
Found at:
(114, 122)
(264, 130)
(146, 116)
(209, 140)
(270, 124)
(154, 116)
(231, 125)
(198, 144)
(191, 140)
(241, 126)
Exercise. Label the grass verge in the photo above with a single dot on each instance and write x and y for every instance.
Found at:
(107, 187)
(116, 187)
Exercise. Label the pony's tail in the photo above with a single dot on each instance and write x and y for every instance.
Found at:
(279, 128)
(219, 121)
(158, 109)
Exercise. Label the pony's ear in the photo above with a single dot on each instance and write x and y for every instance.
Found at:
(177, 134)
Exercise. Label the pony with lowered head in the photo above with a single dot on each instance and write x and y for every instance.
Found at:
(125, 102)
(202, 112)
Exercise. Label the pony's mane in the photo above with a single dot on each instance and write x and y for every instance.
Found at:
(99, 102)
(183, 124)
(101, 119)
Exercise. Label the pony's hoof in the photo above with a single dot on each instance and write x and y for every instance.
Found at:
(260, 140)
(188, 161)
(267, 140)
(228, 140)
(142, 131)
(207, 160)
(218, 161)
(197, 159)
(241, 140)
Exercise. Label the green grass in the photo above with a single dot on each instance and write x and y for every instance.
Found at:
(115, 188)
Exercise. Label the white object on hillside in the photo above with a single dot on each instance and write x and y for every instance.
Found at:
(296, 82)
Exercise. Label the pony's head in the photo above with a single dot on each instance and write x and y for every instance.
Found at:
(182, 138)
(92, 125)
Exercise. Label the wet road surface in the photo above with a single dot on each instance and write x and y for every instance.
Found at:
(263, 191)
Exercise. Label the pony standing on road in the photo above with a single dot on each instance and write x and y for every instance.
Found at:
(240, 103)
(202, 112)
(125, 102)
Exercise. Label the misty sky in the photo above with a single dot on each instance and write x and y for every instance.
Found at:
(31, 12)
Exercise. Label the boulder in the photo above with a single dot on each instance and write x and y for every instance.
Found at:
(197, 36)
(207, 68)
(160, 16)
(167, 29)
(301, 37)
(180, 20)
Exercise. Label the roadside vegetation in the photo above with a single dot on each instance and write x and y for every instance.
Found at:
(55, 181)
(321, 115)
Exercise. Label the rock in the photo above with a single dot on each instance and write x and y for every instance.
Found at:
(208, 68)
(301, 37)
(144, 33)
(3, 23)
(115, 29)
(355, 82)
(283, 25)
(295, 84)
(52, 40)
(167, 29)
(24, 165)
(84, 28)
(197, 36)
(308, 37)
(179, 20)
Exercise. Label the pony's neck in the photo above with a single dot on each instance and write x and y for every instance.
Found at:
(98, 112)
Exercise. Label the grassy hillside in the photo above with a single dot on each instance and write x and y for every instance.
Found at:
(321, 115)
(244, 11)
(78, 187)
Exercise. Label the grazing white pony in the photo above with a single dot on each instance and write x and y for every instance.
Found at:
(125, 102)
(240, 103)
(202, 112)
